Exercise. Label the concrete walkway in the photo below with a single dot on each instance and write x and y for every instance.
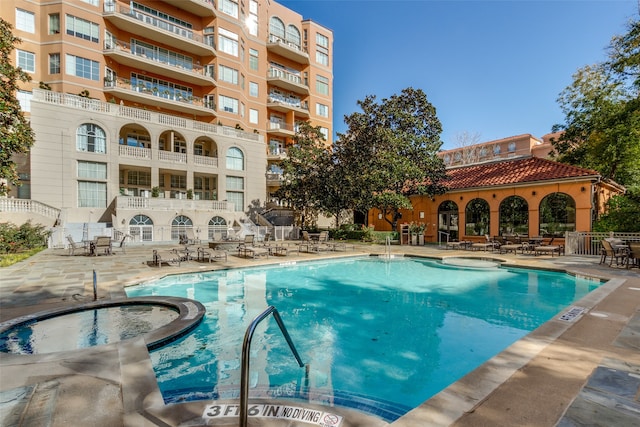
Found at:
(583, 372)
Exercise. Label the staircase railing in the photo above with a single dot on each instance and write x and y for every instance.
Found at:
(246, 347)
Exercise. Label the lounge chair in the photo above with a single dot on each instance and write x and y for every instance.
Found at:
(75, 246)
(166, 257)
(188, 237)
(462, 244)
(488, 244)
(549, 248)
(211, 254)
(247, 248)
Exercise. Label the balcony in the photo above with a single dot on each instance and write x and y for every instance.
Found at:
(206, 8)
(159, 204)
(280, 129)
(287, 49)
(285, 104)
(274, 179)
(159, 30)
(147, 94)
(276, 154)
(287, 80)
(143, 59)
(134, 152)
(171, 157)
(205, 161)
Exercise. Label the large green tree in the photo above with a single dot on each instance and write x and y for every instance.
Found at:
(601, 130)
(16, 135)
(390, 152)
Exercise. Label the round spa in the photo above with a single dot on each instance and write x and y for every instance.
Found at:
(158, 320)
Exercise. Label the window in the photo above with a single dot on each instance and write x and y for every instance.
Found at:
(514, 216)
(228, 42)
(228, 75)
(276, 27)
(230, 105)
(139, 178)
(92, 194)
(235, 159)
(322, 110)
(322, 41)
(293, 35)
(253, 89)
(82, 28)
(253, 116)
(252, 20)
(217, 225)
(235, 192)
(54, 63)
(178, 181)
(92, 170)
(325, 132)
(141, 228)
(54, 23)
(91, 138)
(82, 67)
(229, 7)
(253, 59)
(26, 60)
(179, 226)
(92, 2)
(477, 216)
(322, 58)
(25, 21)
(322, 85)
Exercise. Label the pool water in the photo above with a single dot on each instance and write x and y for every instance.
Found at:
(376, 333)
(85, 328)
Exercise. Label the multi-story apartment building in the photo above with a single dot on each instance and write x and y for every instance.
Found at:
(155, 115)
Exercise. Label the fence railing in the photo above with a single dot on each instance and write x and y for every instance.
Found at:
(28, 205)
(588, 242)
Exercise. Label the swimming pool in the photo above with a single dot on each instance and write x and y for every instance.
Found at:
(379, 336)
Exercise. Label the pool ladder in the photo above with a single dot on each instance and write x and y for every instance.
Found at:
(246, 346)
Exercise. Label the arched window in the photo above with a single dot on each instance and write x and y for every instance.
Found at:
(514, 216)
(276, 27)
(448, 219)
(141, 228)
(477, 217)
(91, 138)
(557, 214)
(235, 159)
(179, 226)
(293, 35)
(217, 228)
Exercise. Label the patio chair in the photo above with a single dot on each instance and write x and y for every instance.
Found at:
(247, 248)
(619, 254)
(75, 246)
(634, 255)
(188, 237)
(488, 244)
(101, 244)
(211, 254)
(166, 257)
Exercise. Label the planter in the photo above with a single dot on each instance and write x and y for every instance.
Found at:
(417, 239)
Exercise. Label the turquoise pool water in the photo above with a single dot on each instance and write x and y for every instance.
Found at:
(380, 336)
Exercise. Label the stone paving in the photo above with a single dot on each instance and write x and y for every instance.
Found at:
(566, 374)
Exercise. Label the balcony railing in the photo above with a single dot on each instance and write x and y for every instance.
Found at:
(205, 161)
(280, 126)
(275, 72)
(275, 39)
(170, 156)
(288, 100)
(150, 89)
(138, 114)
(135, 152)
(274, 178)
(132, 202)
(144, 53)
(28, 205)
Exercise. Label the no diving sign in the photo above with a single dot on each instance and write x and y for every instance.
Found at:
(311, 416)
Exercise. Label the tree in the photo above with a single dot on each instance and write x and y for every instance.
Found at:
(390, 152)
(16, 134)
(304, 171)
(602, 113)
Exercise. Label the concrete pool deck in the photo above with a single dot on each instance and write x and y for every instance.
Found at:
(566, 373)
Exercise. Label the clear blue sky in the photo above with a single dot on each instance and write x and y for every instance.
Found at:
(491, 68)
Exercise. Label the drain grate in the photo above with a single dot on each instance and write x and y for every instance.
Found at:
(572, 314)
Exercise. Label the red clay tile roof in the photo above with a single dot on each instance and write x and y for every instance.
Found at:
(505, 172)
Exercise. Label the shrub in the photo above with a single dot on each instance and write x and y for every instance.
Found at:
(14, 239)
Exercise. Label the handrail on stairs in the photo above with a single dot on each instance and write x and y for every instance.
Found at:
(246, 346)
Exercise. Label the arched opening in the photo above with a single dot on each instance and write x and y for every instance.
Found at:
(514, 216)
(91, 138)
(141, 228)
(557, 215)
(217, 228)
(477, 218)
(448, 219)
(179, 226)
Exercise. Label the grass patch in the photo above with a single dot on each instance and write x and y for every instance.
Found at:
(9, 259)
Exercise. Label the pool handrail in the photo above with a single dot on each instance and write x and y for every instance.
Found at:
(246, 346)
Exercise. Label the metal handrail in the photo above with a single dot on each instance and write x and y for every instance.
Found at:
(440, 233)
(246, 346)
